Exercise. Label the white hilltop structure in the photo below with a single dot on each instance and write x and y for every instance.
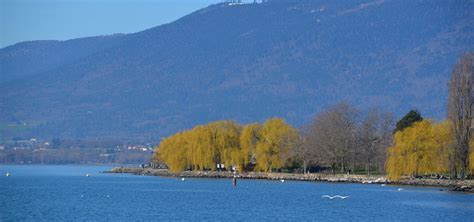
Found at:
(241, 2)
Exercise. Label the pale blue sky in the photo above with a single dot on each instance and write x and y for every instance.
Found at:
(22, 20)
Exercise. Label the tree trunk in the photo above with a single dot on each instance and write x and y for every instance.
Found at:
(304, 166)
(367, 167)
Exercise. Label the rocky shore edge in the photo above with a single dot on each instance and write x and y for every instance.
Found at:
(453, 185)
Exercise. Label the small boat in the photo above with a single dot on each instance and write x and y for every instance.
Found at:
(282, 181)
(182, 179)
(88, 175)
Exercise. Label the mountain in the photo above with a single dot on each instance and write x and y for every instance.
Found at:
(246, 62)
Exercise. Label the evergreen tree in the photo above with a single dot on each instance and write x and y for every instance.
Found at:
(408, 120)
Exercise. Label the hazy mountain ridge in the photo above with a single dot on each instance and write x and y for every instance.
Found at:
(25, 59)
(243, 62)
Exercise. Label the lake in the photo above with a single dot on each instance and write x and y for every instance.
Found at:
(64, 193)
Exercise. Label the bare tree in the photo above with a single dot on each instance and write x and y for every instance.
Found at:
(368, 139)
(374, 138)
(307, 151)
(387, 120)
(332, 135)
(460, 104)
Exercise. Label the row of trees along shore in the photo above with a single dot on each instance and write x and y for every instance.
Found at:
(340, 139)
(262, 147)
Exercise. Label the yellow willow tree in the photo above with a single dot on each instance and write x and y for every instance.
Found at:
(249, 137)
(442, 142)
(421, 149)
(202, 152)
(273, 148)
(225, 140)
(172, 151)
(202, 147)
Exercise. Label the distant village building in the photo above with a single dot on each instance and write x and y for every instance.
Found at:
(140, 148)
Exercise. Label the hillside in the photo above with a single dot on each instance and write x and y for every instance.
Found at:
(243, 62)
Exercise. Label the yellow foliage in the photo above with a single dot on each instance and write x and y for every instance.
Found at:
(225, 140)
(421, 149)
(205, 146)
(171, 152)
(277, 138)
(248, 142)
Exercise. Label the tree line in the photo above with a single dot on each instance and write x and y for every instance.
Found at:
(339, 139)
(260, 147)
(343, 140)
(425, 147)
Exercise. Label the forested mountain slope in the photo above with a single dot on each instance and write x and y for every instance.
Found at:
(242, 62)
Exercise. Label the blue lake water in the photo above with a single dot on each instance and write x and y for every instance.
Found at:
(64, 193)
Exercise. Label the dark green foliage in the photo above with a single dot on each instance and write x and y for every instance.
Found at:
(408, 120)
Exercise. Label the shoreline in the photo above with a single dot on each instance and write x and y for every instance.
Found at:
(453, 185)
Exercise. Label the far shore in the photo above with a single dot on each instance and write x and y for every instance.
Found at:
(453, 185)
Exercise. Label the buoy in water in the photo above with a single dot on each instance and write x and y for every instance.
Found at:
(234, 181)
(88, 175)
(182, 179)
(7, 174)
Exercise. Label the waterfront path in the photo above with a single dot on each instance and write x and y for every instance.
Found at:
(454, 185)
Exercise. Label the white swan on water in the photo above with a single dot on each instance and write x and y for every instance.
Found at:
(336, 196)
